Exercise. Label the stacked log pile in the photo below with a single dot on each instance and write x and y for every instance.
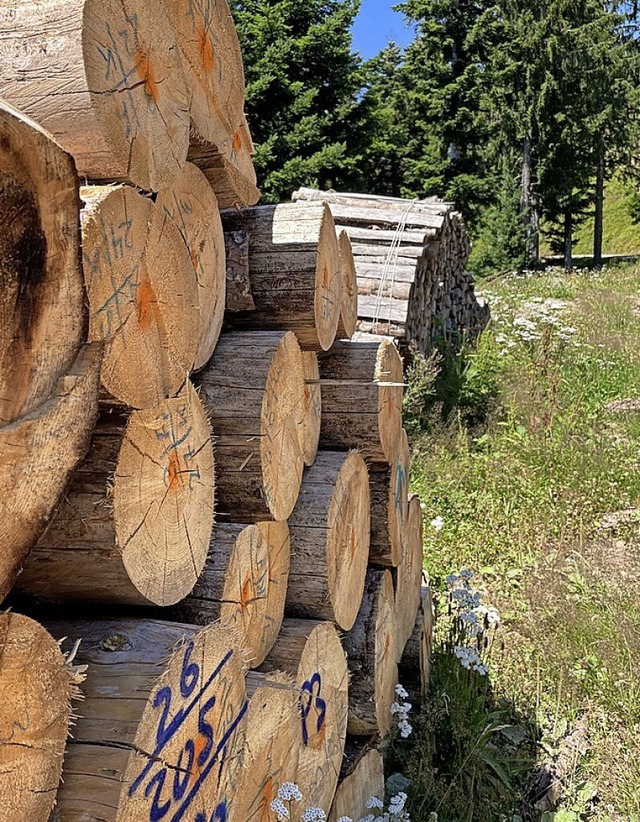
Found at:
(203, 497)
(410, 259)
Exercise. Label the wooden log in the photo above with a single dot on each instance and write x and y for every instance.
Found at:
(228, 167)
(271, 746)
(37, 687)
(362, 385)
(390, 507)
(415, 664)
(330, 529)
(311, 408)
(253, 389)
(191, 205)
(311, 653)
(37, 456)
(164, 705)
(136, 524)
(142, 290)
(212, 61)
(294, 265)
(239, 297)
(364, 781)
(372, 647)
(42, 315)
(105, 79)
(234, 587)
(409, 573)
(349, 307)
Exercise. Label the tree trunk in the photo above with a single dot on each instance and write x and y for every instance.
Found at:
(312, 408)
(598, 224)
(409, 574)
(38, 453)
(190, 204)
(37, 687)
(106, 80)
(235, 588)
(372, 656)
(42, 314)
(362, 386)
(161, 724)
(136, 524)
(365, 780)
(528, 206)
(330, 529)
(142, 290)
(253, 389)
(311, 653)
(389, 507)
(294, 266)
(349, 308)
(568, 241)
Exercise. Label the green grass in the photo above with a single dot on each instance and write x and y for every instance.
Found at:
(537, 478)
(621, 236)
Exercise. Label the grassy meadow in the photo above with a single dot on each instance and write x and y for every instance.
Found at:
(528, 465)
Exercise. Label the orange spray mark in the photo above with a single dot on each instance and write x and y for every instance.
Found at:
(268, 795)
(199, 745)
(325, 277)
(145, 73)
(206, 48)
(146, 303)
(237, 142)
(247, 593)
(174, 471)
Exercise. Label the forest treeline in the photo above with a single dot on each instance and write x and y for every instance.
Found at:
(518, 110)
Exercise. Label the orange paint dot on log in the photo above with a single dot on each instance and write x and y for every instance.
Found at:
(145, 73)
(206, 48)
(145, 303)
(174, 472)
(268, 795)
(196, 770)
(247, 593)
(325, 277)
(237, 142)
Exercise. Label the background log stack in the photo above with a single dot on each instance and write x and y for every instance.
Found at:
(229, 658)
(410, 260)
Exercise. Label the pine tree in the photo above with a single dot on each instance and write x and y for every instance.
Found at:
(308, 109)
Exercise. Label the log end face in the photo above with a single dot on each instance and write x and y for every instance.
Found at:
(329, 283)
(386, 652)
(349, 307)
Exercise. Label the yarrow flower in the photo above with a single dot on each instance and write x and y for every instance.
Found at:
(278, 807)
(401, 713)
(437, 524)
(289, 791)
(472, 619)
(314, 815)
(374, 802)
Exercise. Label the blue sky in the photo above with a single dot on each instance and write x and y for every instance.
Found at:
(376, 24)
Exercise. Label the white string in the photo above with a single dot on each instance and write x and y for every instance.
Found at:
(391, 263)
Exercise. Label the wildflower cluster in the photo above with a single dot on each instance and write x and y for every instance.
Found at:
(395, 812)
(287, 793)
(400, 710)
(472, 621)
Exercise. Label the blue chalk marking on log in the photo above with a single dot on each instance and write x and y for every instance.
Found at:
(310, 691)
(401, 490)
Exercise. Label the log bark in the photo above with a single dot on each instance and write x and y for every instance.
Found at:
(42, 314)
(294, 266)
(362, 386)
(136, 524)
(142, 290)
(239, 297)
(253, 390)
(106, 79)
(37, 456)
(311, 653)
(191, 206)
(366, 780)
(312, 408)
(228, 167)
(372, 653)
(409, 574)
(390, 507)
(234, 587)
(415, 663)
(349, 308)
(37, 687)
(271, 747)
(164, 707)
(330, 529)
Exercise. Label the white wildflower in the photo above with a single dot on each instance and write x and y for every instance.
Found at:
(289, 791)
(345, 819)
(374, 802)
(437, 524)
(278, 807)
(401, 692)
(314, 815)
(451, 580)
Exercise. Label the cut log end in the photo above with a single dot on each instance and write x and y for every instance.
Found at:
(35, 713)
(278, 542)
(409, 573)
(389, 507)
(329, 284)
(355, 790)
(349, 308)
(138, 89)
(143, 296)
(163, 497)
(311, 408)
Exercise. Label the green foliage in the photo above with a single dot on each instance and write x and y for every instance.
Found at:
(308, 111)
